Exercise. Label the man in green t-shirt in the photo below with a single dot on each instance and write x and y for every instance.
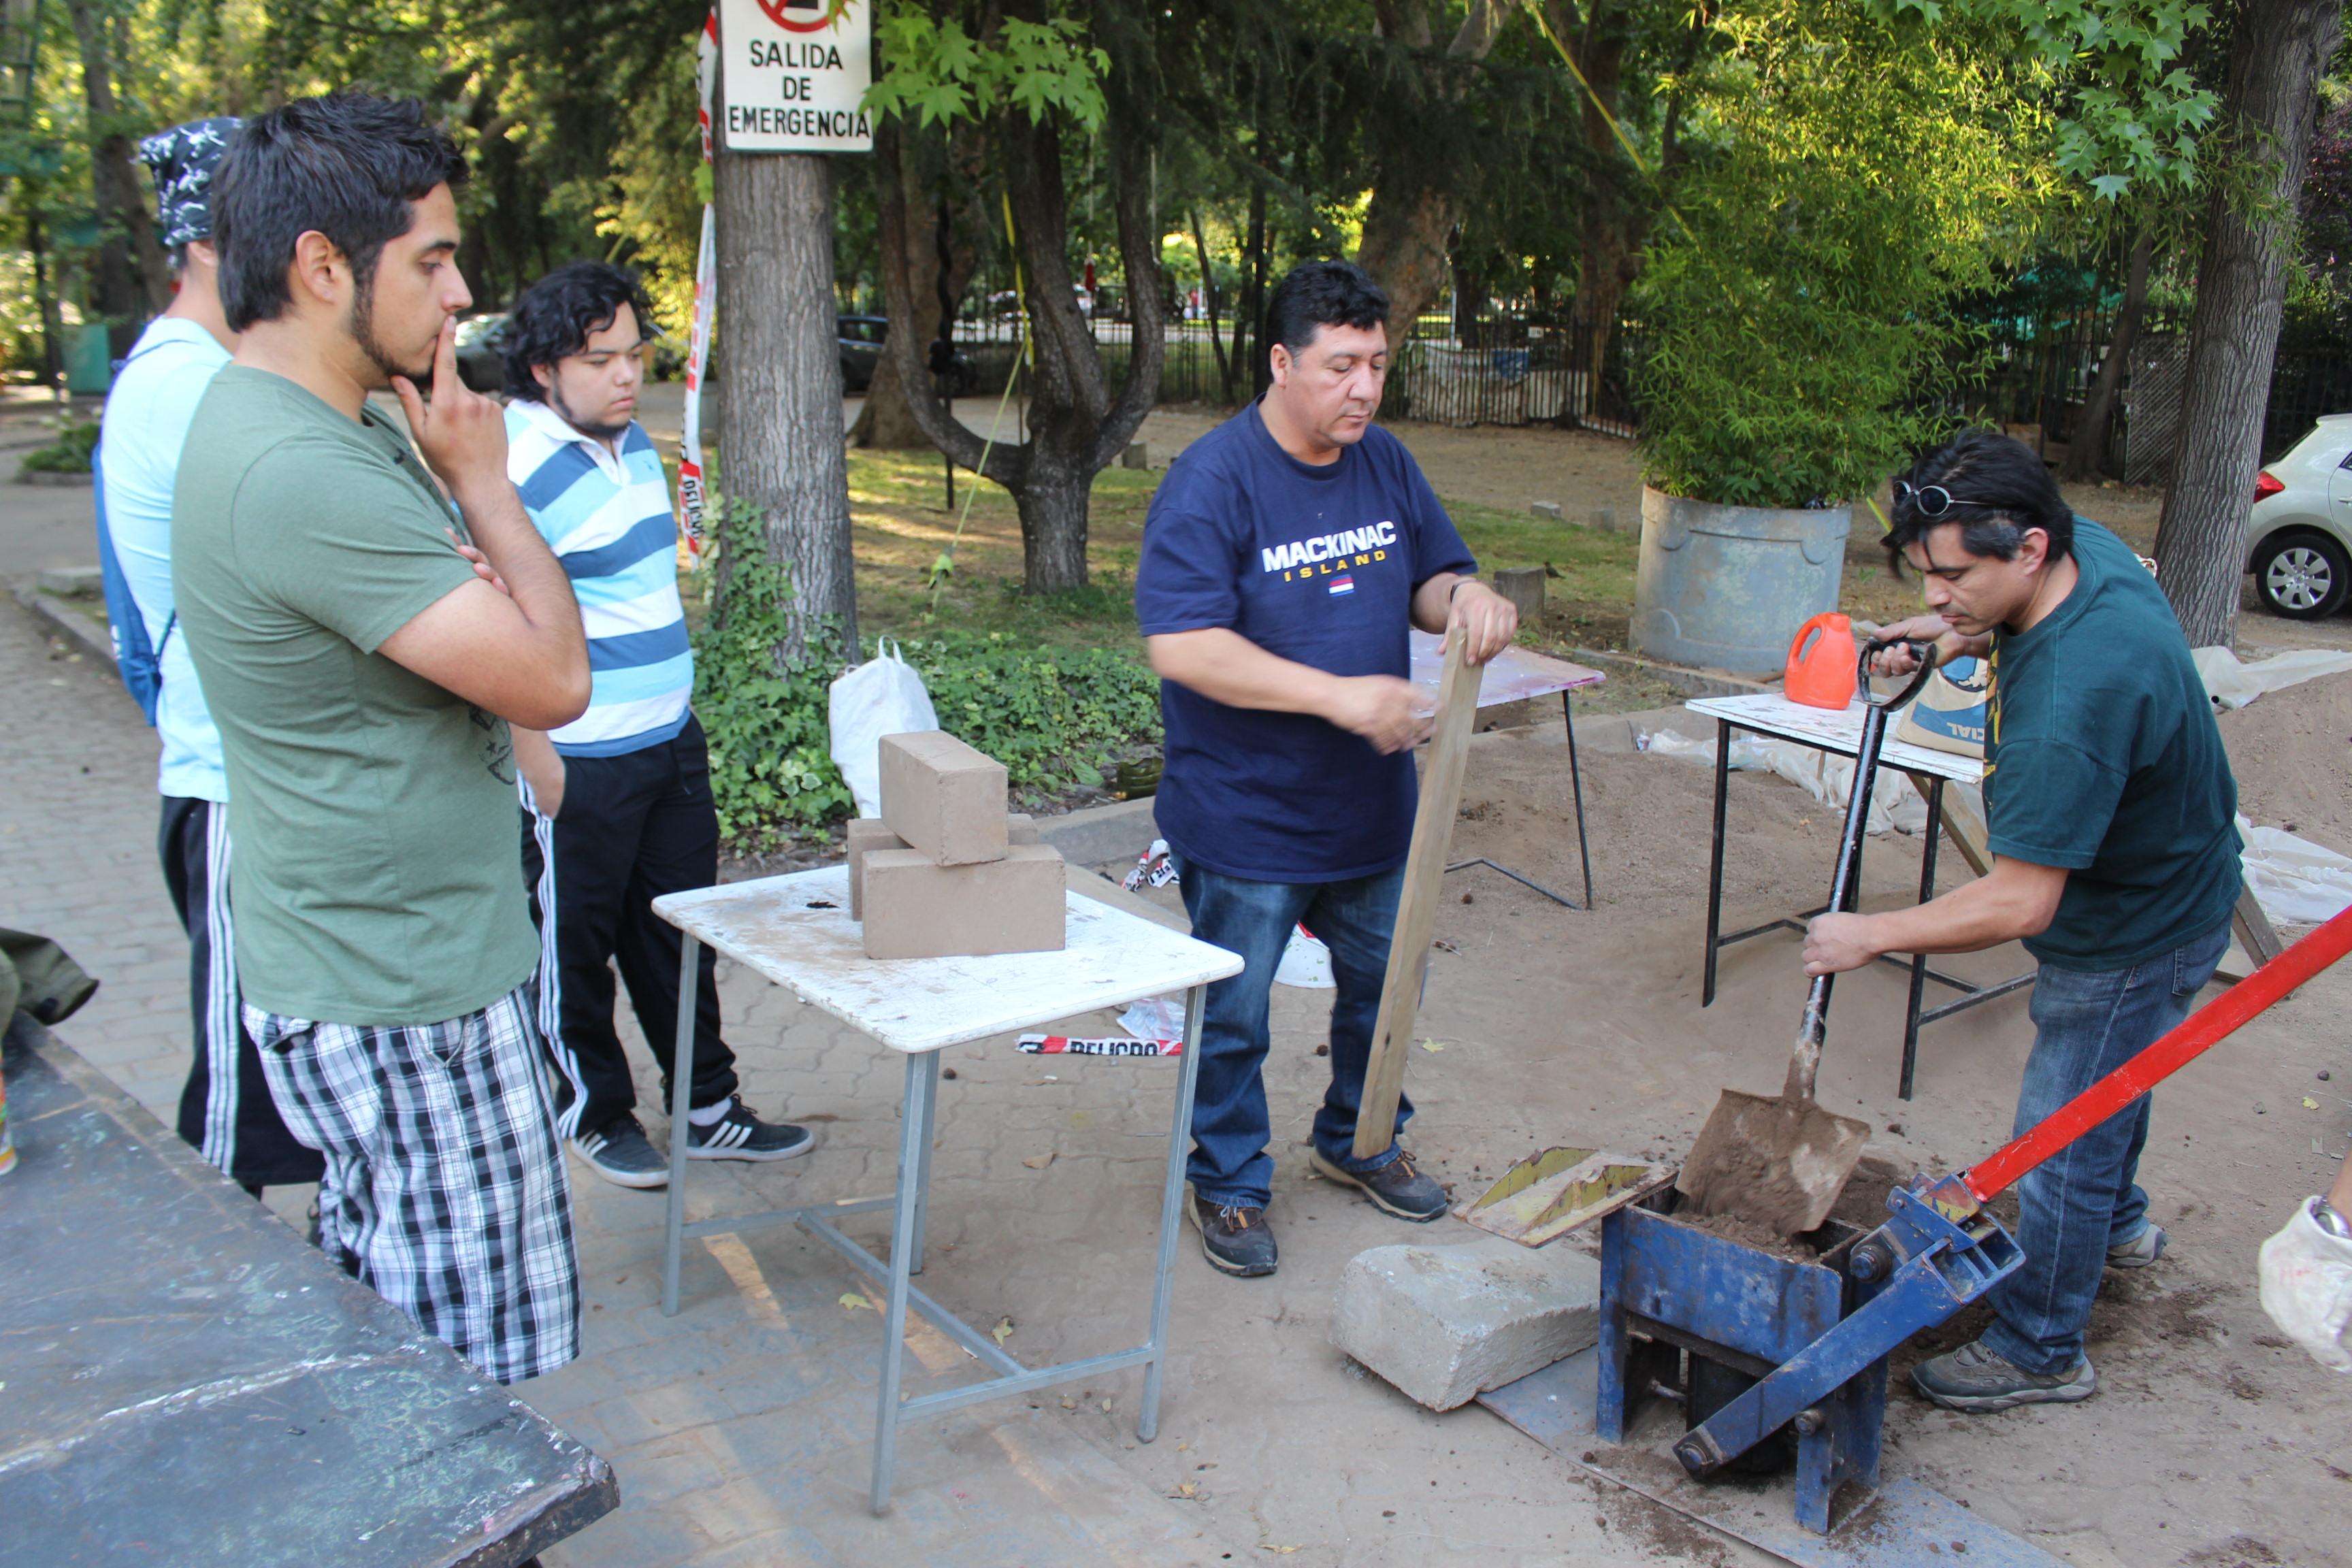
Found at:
(362, 673)
(2112, 823)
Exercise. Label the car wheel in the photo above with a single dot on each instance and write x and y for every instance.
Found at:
(2302, 575)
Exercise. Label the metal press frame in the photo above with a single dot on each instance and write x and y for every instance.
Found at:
(1914, 1017)
(910, 1203)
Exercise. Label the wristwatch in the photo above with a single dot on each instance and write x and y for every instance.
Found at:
(2329, 1220)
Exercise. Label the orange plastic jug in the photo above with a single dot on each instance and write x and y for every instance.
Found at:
(1821, 672)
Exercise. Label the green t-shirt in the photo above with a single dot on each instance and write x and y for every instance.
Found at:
(377, 874)
(2103, 759)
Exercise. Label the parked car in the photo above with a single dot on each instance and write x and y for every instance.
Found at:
(861, 353)
(2299, 534)
(480, 340)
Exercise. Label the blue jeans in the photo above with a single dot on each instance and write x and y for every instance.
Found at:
(1230, 1165)
(2085, 1198)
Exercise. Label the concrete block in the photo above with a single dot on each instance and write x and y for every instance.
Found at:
(70, 580)
(1136, 455)
(864, 834)
(916, 908)
(1547, 508)
(1021, 828)
(1446, 1323)
(1524, 586)
(1604, 518)
(943, 798)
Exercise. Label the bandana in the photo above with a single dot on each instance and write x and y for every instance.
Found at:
(182, 160)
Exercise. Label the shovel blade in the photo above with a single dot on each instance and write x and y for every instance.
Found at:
(1771, 1162)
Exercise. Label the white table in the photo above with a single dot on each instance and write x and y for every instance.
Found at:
(1839, 732)
(796, 931)
(1519, 675)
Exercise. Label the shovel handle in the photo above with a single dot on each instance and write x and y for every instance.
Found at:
(2191, 1038)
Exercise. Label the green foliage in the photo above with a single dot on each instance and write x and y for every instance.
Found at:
(2131, 114)
(940, 74)
(1053, 717)
(771, 767)
(1853, 176)
(69, 454)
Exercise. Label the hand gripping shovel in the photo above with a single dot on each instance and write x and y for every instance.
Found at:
(1783, 1162)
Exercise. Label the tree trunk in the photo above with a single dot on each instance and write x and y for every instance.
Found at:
(133, 276)
(2278, 52)
(936, 273)
(780, 395)
(1076, 428)
(1249, 326)
(2087, 452)
(1209, 303)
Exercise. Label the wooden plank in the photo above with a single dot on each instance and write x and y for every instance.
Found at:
(2253, 928)
(1416, 922)
(1964, 824)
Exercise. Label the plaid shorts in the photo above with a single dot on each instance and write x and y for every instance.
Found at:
(445, 1190)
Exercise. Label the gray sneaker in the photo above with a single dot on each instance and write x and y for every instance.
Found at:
(1973, 1378)
(622, 1154)
(1396, 1188)
(2141, 1250)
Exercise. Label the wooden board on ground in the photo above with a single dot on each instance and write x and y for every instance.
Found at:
(1416, 921)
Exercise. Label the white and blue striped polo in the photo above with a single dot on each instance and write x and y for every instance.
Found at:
(608, 518)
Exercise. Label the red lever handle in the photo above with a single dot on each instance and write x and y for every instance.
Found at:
(2208, 1026)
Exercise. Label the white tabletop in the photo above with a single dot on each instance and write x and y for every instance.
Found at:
(796, 931)
(1513, 675)
(1769, 713)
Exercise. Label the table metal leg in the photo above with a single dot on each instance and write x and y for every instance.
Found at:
(1715, 861)
(922, 1072)
(1919, 960)
(1171, 1195)
(1576, 787)
(681, 1079)
(923, 1173)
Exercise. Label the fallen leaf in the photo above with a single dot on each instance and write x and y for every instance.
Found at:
(1039, 1161)
(854, 1300)
(1188, 1489)
(1003, 1332)
(1069, 1405)
(1426, 1046)
(2309, 1103)
(1180, 1448)
(1279, 1550)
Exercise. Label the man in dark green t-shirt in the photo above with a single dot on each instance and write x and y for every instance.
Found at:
(2112, 823)
(362, 675)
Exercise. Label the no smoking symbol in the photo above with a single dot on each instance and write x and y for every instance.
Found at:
(803, 15)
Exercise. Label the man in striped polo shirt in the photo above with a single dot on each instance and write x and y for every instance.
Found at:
(617, 807)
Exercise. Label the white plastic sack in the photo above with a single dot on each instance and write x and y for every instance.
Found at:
(2233, 685)
(2307, 1287)
(1895, 804)
(2296, 882)
(1305, 963)
(883, 695)
(1155, 1019)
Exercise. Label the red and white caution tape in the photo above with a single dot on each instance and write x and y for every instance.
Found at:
(691, 496)
(1108, 1045)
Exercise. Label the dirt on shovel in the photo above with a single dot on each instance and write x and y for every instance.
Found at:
(1778, 1161)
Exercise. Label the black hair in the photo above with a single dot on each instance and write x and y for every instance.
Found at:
(554, 319)
(1999, 489)
(1318, 294)
(349, 166)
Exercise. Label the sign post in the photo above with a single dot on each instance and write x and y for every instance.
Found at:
(797, 71)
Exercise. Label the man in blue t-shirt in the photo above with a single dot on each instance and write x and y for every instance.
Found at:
(1286, 554)
(2112, 822)
(226, 1110)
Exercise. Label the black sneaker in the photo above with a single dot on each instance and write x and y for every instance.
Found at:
(740, 1135)
(1234, 1240)
(1396, 1188)
(622, 1154)
(1973, 1378)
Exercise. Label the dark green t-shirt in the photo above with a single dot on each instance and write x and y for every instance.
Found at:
(2103, 759)
(377, 873)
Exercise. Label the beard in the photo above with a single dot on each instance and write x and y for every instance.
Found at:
(363, 327)
(589, 428)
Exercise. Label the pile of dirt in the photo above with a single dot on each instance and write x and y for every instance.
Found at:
(2292, 752)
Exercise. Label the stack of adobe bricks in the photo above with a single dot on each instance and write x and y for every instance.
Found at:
(944, 869)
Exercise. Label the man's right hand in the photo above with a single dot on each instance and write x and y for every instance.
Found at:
(1382, 708)
(1899, 661)
(462, 434)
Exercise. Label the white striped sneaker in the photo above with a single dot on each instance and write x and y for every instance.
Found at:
(740, 1135)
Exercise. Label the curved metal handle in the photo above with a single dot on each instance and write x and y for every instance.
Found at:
(1922, 652)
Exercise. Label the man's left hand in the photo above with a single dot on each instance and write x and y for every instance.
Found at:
(1835, 943)
(1488, 619)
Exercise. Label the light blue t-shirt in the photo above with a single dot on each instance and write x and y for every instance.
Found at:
(145, 424)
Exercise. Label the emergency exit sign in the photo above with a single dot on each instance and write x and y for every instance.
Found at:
(795, 73)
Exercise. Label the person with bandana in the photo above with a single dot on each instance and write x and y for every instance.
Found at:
(226, 1112)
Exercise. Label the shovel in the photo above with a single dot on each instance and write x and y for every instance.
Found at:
(1781, 1163)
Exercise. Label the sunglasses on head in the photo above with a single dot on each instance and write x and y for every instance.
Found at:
(1931, 500)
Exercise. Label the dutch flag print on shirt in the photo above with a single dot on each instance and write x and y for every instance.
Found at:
(1343, 584)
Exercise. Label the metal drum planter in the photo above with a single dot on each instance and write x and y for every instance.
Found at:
(1724, 587)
